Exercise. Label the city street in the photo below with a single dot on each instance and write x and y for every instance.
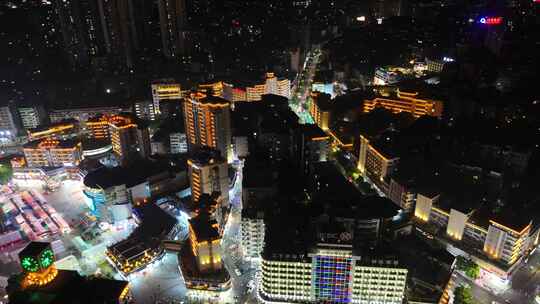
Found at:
(300, 95)
(231, 246)
(523, 285)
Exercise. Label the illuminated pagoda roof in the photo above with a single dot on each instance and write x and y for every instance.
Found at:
(34, 248)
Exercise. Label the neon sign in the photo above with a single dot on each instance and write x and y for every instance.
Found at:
(491, 20)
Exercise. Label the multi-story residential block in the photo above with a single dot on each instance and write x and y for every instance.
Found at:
(145, 110)
(320, 110)
(373, 163)
(332, 272)
(8, 124)
(406, 102)
(252, 233)
(98, 127)
(178, 143)
(172, 20)
(391, 75)
(166, 90)
(208, 123)
(272, 85)
(208, 173)
(53, 153)
(311, 145)
(128, 137)
(402, 194)
(32, 116)
(434, 66)
(493, 240)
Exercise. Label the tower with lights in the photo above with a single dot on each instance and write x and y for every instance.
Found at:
(37, 262)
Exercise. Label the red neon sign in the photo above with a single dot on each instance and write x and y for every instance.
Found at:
(492, 20)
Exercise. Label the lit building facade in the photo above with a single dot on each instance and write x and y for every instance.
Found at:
(144, 110)
(208, 123)
(205, 241)
(59, 130)
(32, 116)
(434, 66)
(320, 110)
(391, 75)
(80, 27)
(208, 173)
(98, 127)
(53, 153)
(406, 102)
(219, 89)
(506, 244)
(332, 273)
(311, 145)
(127, 137)
(272, 85)
(252, 233)
(81, 114)
(178, 143)
(402, 196)
(8, 126)
(373, 163)
(165, 90)
(172, 19)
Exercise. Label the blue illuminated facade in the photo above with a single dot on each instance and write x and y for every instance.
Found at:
(332, 278)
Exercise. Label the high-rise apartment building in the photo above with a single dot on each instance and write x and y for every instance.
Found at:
(53, 153)
(165, 90)
(252, 233)
(127, 138)
(208, 173)
(119, 23)
(8, 125)
(373, 163)
(178, 143)
(320, 110)
(311, 145)
(172, 20)
(81, 30)
(145, 110)
(32, 116)
(208, 123)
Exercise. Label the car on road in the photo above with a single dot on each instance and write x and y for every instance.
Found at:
(238, 272)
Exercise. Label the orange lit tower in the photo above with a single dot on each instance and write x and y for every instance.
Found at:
(208, 173)
(128, 137)
(205, 242)
(208, 123)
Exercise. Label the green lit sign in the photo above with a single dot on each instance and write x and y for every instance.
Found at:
(30, 264)
(46, 258)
